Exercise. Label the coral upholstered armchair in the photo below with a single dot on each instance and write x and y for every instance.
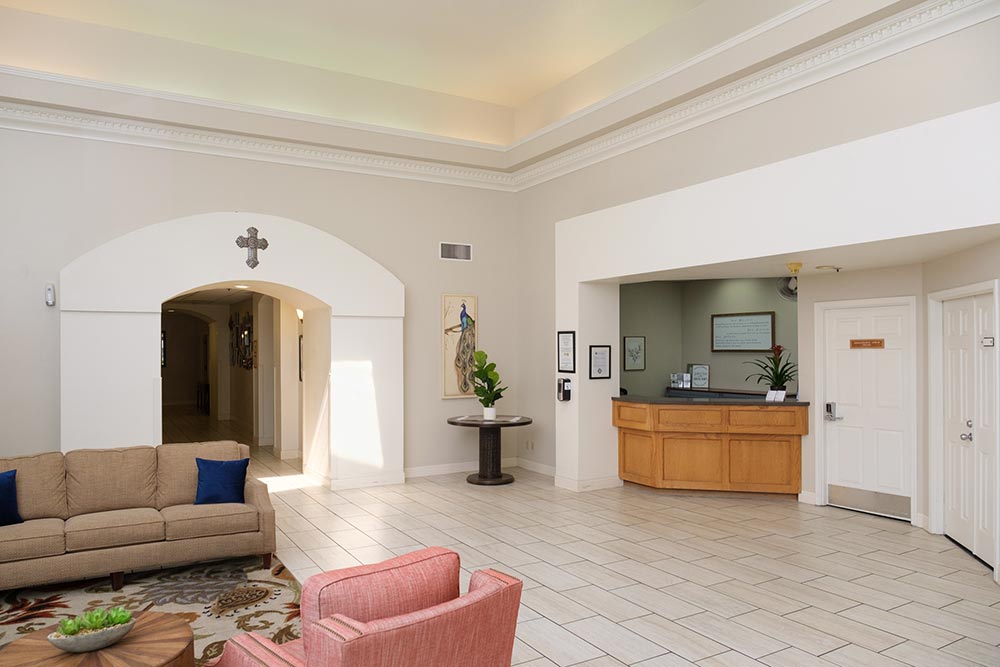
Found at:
(405, 612)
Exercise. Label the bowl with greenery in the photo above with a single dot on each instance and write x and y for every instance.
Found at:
(92, 630)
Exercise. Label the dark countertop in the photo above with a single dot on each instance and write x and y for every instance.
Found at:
(669, 400)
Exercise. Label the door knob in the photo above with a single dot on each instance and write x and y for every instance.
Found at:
(966, 436)
(968, 422)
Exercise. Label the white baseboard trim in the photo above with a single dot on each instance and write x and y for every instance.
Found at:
(588, 484)
(385, 478)
(451, 468)
(808, 497)
(287, 454)
(921, 521)
(535, 466)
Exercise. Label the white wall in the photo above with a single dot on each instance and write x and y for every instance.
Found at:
(366, 400)
(264, 373)
(288, 444)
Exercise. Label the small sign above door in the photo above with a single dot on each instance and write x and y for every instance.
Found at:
(868, 343)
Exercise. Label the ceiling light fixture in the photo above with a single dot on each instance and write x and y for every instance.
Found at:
(829, 267)
(241, 286)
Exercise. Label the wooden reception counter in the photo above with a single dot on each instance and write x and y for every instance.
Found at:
(719, 444)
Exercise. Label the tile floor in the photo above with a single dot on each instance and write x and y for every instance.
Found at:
(633, 576)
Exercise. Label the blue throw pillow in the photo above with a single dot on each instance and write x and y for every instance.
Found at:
(220, 481)
(8, 499)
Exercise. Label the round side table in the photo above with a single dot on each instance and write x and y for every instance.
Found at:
(489, 445)
(157, 640)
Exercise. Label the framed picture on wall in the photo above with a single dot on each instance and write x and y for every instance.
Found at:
(634, 353)
(743, 332)
(600, 362)
(566, 347)
(699, 376)
(459, 335)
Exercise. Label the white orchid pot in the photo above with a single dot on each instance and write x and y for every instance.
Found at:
(490, 414)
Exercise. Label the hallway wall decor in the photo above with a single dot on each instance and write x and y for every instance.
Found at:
(459, 313)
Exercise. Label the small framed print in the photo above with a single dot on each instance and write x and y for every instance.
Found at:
(566, 346)
(634, 351)
(600, 362)
(699, 376)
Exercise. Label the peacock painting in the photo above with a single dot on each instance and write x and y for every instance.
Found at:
(459, 314)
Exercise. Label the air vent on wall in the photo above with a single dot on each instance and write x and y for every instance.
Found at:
(461, 252)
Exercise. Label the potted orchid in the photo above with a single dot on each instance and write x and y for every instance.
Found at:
(776, 370)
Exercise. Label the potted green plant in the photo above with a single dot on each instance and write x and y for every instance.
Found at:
(92, 630)
(486, 384)
(774, 369)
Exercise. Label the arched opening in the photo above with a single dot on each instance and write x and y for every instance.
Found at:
(348, 414)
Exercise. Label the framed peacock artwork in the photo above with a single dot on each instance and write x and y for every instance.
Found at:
(459, 313)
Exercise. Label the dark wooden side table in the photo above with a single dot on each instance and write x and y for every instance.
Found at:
(157, 640)
(489, 445)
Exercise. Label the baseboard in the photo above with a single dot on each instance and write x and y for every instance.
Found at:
(386, 478)
(452, 468)
(266, 441)
(534, 466)
(290, 454)
(921, 521)
(588, 484)
(808, 497)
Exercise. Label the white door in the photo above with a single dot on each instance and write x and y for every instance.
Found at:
(970, 432)
(871, 438)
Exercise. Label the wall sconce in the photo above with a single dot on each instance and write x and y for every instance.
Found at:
(298, 311)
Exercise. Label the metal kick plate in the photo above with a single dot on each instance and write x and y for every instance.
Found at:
(869, 501)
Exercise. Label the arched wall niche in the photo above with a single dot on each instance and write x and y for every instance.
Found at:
(111, 299)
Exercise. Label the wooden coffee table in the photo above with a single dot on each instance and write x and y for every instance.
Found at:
(157, 640)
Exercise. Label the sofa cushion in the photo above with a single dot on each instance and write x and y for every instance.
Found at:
(41, 485)
(34, 538)
(115, 528)
(187, 521)
(221, 481)
(8, 499)
(177, 472)
(100, 480)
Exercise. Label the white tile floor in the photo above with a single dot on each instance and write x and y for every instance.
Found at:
(633, 576)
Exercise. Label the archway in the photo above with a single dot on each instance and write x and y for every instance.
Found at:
(110, 328)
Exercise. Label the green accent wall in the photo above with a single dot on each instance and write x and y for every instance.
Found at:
(676, 319)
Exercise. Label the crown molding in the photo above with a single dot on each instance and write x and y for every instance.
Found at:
(903, 31)
(898, 33)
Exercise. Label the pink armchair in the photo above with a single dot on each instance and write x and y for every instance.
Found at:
(404, 612)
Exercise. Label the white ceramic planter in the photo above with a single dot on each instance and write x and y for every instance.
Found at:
(490, 414)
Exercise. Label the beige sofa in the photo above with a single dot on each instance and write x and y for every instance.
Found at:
(96, 512)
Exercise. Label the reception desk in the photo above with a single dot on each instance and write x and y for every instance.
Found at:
(740, 444)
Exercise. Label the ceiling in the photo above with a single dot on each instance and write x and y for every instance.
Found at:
(499, 51)
(859, 257)
(216, 297)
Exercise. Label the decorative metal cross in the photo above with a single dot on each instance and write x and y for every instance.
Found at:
(252, 244)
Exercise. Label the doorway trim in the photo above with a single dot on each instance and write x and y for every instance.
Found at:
(819, 391)
(935, 401)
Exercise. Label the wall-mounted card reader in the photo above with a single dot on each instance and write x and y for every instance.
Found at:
(564, 389)
(831, 413)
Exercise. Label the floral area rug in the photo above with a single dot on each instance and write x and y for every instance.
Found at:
(220, 600)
